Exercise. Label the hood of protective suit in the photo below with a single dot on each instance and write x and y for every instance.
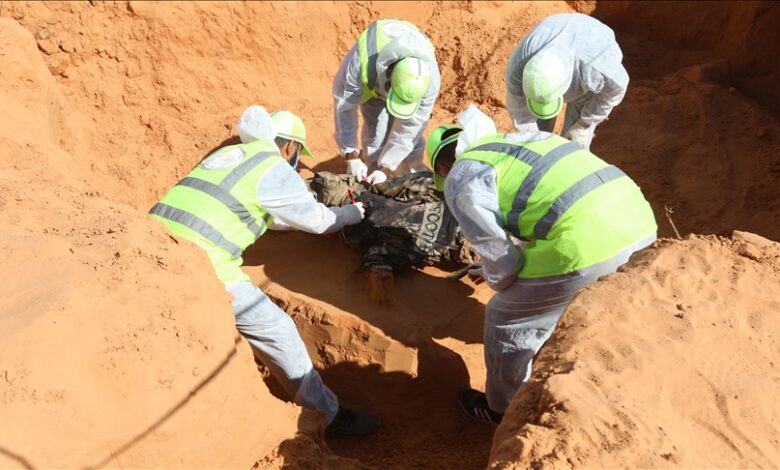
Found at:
(256, 124)
(476, 125)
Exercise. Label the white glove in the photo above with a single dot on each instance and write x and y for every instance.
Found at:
(477, 273)
(581, 135)
(354, 213)
(356, 168)
(376, 177)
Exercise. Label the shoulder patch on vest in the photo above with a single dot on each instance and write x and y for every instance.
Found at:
(222, 159)
(394, 30)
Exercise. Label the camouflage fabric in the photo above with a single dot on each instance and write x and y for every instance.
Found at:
(407, 223)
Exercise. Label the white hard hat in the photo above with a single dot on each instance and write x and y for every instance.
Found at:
(546, 78)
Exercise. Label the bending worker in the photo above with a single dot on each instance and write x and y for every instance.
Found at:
(567, 57)
(391, 74)
(581, 218)
(224, 205)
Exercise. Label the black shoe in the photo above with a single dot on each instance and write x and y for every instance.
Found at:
(474, 404)
(352, 423)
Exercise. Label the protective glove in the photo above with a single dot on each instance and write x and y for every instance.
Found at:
(356, 168)
(477, 273)
(353, 213)
(376, 177)
(581, 135)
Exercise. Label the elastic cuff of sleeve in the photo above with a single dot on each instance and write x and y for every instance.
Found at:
(384, 167)
(347, 150)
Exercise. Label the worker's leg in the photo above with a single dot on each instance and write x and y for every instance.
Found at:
(520, 319)
(573, 112)
(276, 342)
(414, 162)
(376, 123)
(511, 341)
(546, 125)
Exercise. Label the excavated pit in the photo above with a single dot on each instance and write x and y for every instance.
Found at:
(404, 357)
(110, 104)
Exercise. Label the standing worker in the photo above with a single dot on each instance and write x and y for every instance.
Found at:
(224, 205)
(581, 218)
(391, 74)
(567, 57)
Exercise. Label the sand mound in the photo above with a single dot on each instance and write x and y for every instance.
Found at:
(680, 369)
(117, 345)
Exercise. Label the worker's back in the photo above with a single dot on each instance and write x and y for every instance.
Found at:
(574, 209)
(215, 205)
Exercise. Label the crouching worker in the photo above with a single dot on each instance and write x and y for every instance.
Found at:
(224, 205)
(581, 218)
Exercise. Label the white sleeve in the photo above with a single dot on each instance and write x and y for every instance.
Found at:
(347, 96)
(522, 119)
(472, 197)
(610, 93)
(283, 194)
(406, 133)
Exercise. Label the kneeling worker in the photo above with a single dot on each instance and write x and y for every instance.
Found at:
(224, 205)
(581, 218)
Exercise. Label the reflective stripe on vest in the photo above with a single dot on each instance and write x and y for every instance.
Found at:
(241, 170)
(372, 54)
(540, 165)
(220, 192)
(370, 44)
(197, 224)
(563, 202)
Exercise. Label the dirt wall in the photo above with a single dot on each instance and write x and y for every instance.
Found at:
(744, 34)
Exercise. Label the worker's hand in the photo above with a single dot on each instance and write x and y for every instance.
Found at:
(358, 169)
(477, 273)
(354, 213)
(376, 177)
(581, 135)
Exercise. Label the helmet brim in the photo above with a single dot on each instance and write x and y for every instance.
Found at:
(400, 108)
(545, 110)
(438, 180)
(304, 149)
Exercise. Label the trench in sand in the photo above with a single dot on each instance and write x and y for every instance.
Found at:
(403, 356)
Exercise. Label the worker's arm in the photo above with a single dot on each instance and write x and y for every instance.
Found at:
(472, 197)
(405, 133)
(283, 194)
(608, 92)
(347, 96)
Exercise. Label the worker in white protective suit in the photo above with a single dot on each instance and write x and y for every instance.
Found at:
(578, 217)
(224, 205)
(392, 76)
(569, 58)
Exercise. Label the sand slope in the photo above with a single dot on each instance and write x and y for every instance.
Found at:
(671, 362)
(117, 345)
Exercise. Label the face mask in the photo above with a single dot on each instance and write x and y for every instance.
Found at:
(296, 158)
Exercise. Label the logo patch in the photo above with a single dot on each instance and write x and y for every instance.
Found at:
(222, 159)
(394, 30)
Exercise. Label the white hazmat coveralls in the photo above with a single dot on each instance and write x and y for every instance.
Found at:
(599, 80)
(268, 329)
(395, 146)
(522, 315)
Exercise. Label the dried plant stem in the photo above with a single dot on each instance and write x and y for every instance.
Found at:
(669, 211)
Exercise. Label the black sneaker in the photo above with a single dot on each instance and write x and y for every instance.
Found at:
(474, 404)
(352, 423)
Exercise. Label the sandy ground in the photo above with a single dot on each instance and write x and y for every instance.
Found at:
(117, 346)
